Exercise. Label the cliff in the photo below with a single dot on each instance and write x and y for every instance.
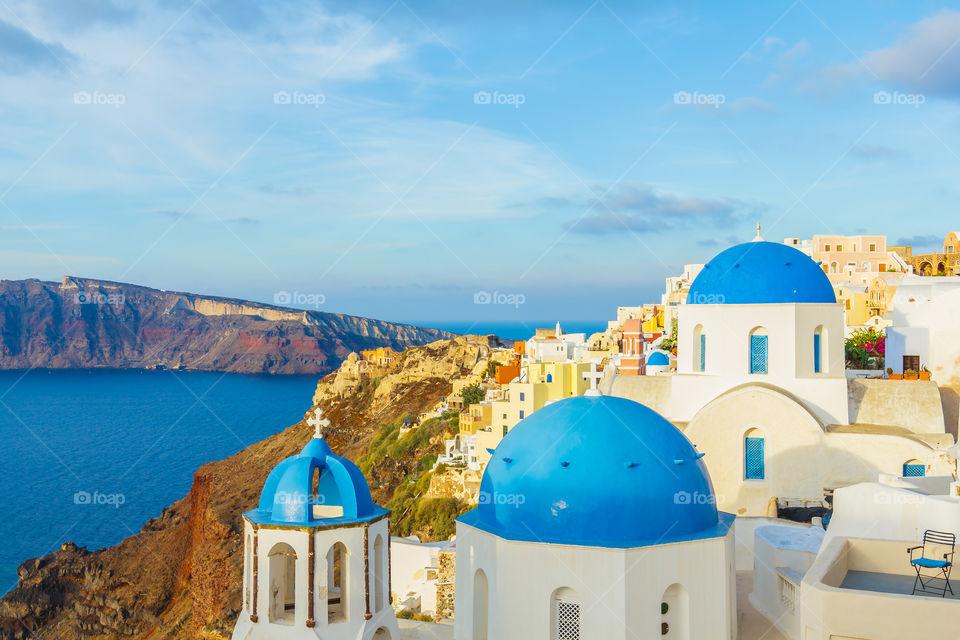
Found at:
(82, 323)
(180, 577)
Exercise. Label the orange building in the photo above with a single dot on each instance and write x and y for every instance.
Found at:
(632, 357)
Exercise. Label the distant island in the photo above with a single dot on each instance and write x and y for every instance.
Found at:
(82, 323)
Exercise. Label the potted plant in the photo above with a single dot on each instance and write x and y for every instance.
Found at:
(910, 374)
(893, 376)
(924, 373)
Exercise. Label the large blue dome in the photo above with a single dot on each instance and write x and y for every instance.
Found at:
(597, 471)
(761, 273)
(289, 497)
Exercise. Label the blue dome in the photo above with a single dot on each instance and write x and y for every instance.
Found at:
(597, 471)
(658, 359)
(288, 497)
(758, 273)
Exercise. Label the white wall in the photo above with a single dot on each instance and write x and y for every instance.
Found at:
(925, 323)
(522, 576)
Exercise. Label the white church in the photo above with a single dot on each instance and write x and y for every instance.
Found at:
(761, 388)
(316, 553)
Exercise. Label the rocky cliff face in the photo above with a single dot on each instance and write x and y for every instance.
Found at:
(83, 323)
(180, 576)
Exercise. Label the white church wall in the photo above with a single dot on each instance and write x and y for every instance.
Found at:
(522, 577)
(789, 363)
(800, 459)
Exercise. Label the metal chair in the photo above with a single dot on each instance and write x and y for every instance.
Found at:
(935, 544)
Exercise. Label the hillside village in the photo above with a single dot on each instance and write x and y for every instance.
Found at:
(808, 374)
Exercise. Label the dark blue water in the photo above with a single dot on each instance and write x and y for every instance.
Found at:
(90, 456)
(516, 330)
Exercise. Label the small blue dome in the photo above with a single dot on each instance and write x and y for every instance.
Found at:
(658, 359)
(597, 471)
(288, 497)
(761, 273)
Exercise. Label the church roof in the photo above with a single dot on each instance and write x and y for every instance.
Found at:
(597, 471)
(761, 273)
(658, 359)
(288, 496)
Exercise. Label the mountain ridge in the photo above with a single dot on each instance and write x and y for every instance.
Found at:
(89, 323)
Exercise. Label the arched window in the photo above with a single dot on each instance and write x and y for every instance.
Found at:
(565, 612)
(758, 350)
(549, 377)
(675, 613)
(753, 457)
(914, 469)
(338, 583)
(248, 573)
(379, 573)
(818, 344)
(480, 605)
(699, 348)
(283, 583)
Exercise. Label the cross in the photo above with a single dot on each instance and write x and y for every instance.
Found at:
(594, 377)
(317, 421)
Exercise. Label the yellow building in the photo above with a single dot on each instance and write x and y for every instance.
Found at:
(545, 381)
(946, 263)
(381, 356)
(477, 418)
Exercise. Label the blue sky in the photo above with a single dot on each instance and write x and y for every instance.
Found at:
(394, 159)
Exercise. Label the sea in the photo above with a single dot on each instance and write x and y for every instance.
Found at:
(91, 455)
(516, 330)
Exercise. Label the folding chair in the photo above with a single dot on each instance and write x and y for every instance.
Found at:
(935, 544)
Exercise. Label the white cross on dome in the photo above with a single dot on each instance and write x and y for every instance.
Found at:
(317, 421)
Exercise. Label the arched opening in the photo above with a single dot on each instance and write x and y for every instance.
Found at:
(699, 348)
(753, 455)
(248, 572)
(338, 582)
(549, 377)
(382, 634)
(675, 613)
(834, 267)
(283, 583)
(818, 344)
(926, 268)
(758, 350)
(379, 573)
(565, 612)
(914, 469)
(480, 605)
(941, 269)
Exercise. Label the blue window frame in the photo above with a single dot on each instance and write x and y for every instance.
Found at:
(753, 459)
(521, 414)
(914, 470)
(549, 377)
(758, 354)
(816, 353)
(703, 352)
(521, 396)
